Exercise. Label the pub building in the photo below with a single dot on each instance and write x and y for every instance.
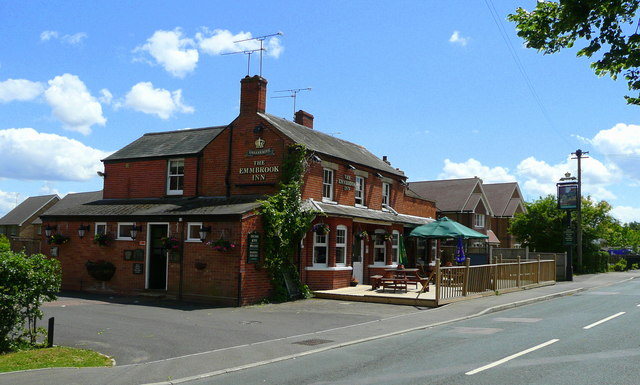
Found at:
(179, 211)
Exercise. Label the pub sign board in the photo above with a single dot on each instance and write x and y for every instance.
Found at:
(567, 196)
(253, 244)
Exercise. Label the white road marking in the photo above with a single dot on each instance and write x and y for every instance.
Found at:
(603, 320)
(511, 357)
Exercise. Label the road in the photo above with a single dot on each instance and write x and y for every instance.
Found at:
(587, 338)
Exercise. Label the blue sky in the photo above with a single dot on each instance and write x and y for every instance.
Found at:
(444, 89)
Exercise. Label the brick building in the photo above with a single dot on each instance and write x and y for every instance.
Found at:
(203, 185)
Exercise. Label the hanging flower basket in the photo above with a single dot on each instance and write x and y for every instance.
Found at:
(101, 270)
(58, 239)
(221, 245)
(321, 228)
(387, 236)
(362, 235)
(102, 239)
(170, 243)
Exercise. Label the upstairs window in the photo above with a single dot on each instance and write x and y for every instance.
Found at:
(478, 220)
(386, 193)
(175, 176)
(359, 190)
(327, 185)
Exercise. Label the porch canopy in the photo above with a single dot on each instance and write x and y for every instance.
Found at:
(444, 228)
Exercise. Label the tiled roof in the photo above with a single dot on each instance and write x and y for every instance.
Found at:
(450, 195)
(322, 143)
(160, 207)
(171, 143)
(26, 210)
(358, 212)
(73, 200)
(504, 198)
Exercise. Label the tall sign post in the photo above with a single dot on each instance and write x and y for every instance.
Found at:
(579, 155)
(568, 198)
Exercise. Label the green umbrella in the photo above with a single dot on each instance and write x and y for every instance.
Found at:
(402, 259)
(445, 228)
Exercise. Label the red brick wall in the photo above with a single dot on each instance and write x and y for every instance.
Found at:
(145, 178)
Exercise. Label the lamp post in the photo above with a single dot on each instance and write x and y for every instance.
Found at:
(579, 155)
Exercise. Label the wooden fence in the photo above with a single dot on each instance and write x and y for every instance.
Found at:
(457, 282)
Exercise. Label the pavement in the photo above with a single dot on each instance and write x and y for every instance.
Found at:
(222, 340)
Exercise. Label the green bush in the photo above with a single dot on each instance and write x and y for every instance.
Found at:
(4, 243)
(621, 265)
(25, 283)
(596, 262)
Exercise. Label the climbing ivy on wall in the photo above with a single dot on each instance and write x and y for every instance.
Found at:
(285, 223)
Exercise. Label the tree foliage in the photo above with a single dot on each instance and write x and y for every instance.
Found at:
(605, 25)
(25, 283)
(541, 229)
(285, 223)
(4, 243)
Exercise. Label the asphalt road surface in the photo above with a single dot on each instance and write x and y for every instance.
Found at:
(588, 338)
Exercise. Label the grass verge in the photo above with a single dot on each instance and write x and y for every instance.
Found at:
(55, 357)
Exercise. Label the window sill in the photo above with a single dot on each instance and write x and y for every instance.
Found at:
(327, 200)
(326, 268)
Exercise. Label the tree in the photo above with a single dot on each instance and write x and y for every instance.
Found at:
(25, 283)
(605, 25)
(4, 243)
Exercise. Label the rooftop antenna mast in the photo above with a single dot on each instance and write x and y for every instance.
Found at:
(248, 53)
(292, 94)
(261, 40)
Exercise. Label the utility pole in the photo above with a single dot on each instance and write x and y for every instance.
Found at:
(579, 154)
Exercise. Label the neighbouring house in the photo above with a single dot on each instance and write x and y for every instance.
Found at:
(22, 225)
(506, 201)
(179, 211)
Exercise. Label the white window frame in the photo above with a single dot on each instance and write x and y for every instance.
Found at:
(127, 237)
(386, 194)
(98, 225)
(327, 186)
(177, 175)
(319, 241)
(189, 238)
(341, 245)
(359, 191)
(379, 235)
(479, 220)
(395, 250)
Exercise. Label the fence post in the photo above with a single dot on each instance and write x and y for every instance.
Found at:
(518, 277)
(438, 273)
(539, 267)
(465, 278)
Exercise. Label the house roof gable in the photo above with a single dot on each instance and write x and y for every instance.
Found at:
(452, 195)
(505, 198)
(27, 209)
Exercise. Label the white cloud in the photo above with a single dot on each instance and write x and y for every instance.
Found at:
(472, 168)
(7, 201)
(19, 89)
(221, 41)
(540, 178)
(457, 38)
(26, 154)
(105, 96)
(74, 39)
(163, 103)
(48, 35)
(621, 146)
(73, 104)
(175, 53)
(626, 214)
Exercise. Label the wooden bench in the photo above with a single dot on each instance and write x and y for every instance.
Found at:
(394, 283)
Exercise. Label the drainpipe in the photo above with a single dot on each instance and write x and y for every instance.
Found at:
(227, 177)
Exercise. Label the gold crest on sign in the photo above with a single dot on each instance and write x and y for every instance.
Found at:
(260, 143)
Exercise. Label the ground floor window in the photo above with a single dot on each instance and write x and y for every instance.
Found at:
(341, 246)
(379, 248)
(193, 234)
(320, 249)
(124, 231)
(395, 250)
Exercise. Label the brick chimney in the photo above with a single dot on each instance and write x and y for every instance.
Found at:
(253, 94)
(304, 118)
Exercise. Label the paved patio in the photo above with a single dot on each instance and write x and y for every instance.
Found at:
(364, 293)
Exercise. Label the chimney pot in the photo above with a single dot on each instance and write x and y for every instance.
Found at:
(304, 118)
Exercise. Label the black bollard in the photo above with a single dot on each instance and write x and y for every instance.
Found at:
(50, 332)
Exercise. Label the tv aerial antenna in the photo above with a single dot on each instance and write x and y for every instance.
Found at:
(249, 52)
(292, 94)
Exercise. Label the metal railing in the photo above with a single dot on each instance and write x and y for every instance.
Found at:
(453, 282)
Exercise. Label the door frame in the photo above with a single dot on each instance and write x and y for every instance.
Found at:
(148, 252)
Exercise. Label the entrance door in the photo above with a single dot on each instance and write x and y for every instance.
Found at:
(357, 258)
(157, 269)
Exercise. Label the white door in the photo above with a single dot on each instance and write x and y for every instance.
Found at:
(357, 258)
